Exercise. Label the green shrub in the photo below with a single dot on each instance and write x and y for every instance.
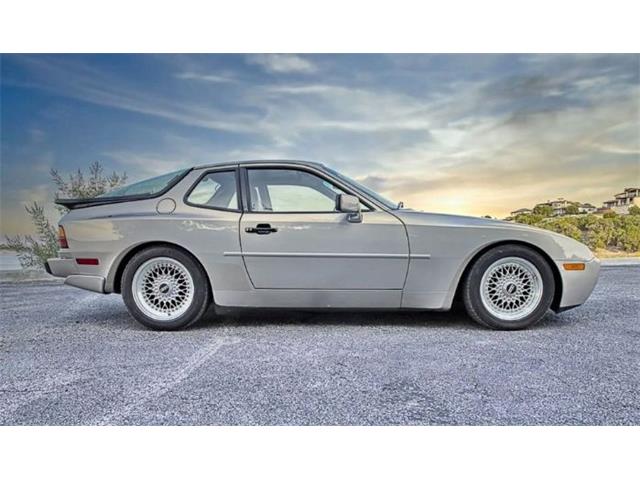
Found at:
(572, 209)
(610, 231)
(543, 209)
(34, 252)
(529, 218)
(563, 225)
(631, 240)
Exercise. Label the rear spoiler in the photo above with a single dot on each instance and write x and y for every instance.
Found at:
(73, 203)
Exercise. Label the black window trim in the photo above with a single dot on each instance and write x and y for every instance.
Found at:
(239, 200)
(346, 188)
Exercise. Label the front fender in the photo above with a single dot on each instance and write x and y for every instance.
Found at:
(442, 246)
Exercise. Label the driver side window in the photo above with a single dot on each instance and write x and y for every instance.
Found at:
(288, 190)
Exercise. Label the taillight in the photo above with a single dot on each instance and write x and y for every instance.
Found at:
(62, 238)
(87, 261)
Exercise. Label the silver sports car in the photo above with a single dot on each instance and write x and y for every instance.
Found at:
(292, 234)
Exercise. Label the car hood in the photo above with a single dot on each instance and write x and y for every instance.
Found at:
(558, 245)
(410, 216)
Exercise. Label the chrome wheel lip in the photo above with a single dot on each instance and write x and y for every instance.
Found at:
(163, 289)
(511, 288)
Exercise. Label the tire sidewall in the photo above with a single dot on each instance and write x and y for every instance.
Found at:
(472, 290)
(200, 284)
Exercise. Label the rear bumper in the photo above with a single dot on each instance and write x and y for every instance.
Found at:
(68, 269)
(577, 285)
(61, 267)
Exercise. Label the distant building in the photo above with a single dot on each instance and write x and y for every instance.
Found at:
(620, 204)
(558, 206)
(521, 211)
(622, 201)
(587, 208)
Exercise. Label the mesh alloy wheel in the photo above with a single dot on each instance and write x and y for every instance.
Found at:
(511, 288)
(163, 288)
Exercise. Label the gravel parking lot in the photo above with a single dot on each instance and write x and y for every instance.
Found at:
(74, 357)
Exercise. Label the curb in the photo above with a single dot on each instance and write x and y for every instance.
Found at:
(20, 276)
(624, 261)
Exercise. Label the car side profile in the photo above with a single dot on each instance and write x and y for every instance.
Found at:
(294, 234)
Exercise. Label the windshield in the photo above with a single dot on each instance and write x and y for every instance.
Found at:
(358, 186)
(145, 187)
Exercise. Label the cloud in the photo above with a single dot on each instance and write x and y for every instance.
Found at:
(37, 135)
(282, 63)
(495, 165)
(14, 218)
(211, 78)
(174, 152)
(312, 107)
(40, 193)
(142, 165)
(80, 81)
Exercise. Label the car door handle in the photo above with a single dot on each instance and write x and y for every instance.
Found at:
(261, 229)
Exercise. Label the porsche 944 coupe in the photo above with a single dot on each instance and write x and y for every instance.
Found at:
(293, 234)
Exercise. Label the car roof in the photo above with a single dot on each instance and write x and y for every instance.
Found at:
(258, 162)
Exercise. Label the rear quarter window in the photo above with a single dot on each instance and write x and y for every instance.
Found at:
(150, 186)
(215, 190)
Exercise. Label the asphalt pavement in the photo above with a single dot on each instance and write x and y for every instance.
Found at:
(73, 357)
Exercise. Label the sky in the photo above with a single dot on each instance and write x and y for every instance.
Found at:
(468, 134)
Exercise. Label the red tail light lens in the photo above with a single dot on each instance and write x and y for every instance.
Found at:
(62, 238)
(87, 261)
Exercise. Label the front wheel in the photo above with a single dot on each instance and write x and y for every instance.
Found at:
(509, 288)
(165, 289)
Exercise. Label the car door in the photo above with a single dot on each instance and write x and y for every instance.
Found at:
(292, 237)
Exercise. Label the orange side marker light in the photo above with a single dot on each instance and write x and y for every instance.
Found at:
(573, 266)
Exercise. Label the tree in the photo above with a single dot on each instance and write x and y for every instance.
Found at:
(79, 187)
(572, 209)
(543, 209)
(34, 252)
(634, 210)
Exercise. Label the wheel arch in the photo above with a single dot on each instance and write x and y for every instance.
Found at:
(557, 295)
(117, 269)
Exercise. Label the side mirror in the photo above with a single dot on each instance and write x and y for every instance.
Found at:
(349, 204)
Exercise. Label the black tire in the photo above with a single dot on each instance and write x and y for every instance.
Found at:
(471, 289)
(201, 291)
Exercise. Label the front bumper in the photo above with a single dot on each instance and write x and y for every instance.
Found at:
(577, 285)
(67, 268)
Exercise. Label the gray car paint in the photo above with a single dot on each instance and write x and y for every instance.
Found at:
(393, 259)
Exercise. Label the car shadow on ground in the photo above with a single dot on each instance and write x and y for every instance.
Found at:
(353, 318)
(455, 319)
(117, 317)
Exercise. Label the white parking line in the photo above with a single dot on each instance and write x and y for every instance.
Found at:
(166, 383)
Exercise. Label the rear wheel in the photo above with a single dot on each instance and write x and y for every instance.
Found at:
(509, 288)
(165, 289)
